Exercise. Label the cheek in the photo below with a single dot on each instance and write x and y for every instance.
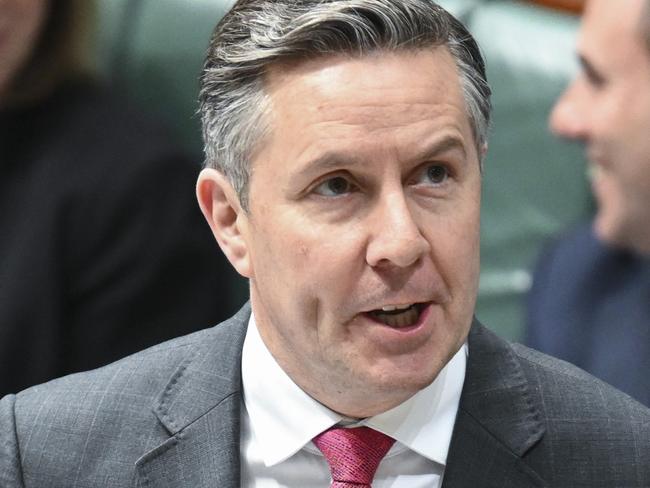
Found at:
(619, 118)
(303, 255)
(456, 244)
(463, 217)
(637, 143)
(330, 264)
(322, 247)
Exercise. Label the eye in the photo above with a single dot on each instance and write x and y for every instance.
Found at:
(333, 187)
(594, 77)
(435, 174)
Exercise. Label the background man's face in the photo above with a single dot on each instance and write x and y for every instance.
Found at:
(608, 107)
(20, 23)
(365, 196)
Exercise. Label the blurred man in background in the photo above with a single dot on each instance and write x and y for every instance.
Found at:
(590, 301)
(102, 249)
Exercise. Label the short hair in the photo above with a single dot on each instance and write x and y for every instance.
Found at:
(62, 52)
(256, 34)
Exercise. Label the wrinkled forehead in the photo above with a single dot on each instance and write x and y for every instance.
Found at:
(326, 68)
(327, 80)
(389, 111)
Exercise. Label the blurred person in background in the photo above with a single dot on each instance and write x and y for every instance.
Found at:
(102, 249)
(590, 301)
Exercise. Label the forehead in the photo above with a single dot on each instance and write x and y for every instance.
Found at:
(369, 92)
(612, 25)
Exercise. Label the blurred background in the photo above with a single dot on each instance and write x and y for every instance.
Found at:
(535, 184)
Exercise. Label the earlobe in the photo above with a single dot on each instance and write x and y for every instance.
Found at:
(227, 220)
(481, 156)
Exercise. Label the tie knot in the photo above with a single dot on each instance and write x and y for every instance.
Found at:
(353, 454)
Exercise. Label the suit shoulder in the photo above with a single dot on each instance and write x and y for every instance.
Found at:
(132, 383)
(564, 389)
(144, 373)
(579, 254)
(572, 249)
(89, 429)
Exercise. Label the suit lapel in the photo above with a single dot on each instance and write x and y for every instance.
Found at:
(200, 410)
(497, 422)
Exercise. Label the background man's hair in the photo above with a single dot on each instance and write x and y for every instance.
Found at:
(258, 33)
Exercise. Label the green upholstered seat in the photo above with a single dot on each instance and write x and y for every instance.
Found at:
(157, 54)
(534, 184)
(111, 24)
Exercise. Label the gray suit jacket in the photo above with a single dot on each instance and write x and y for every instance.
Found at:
(169, 417)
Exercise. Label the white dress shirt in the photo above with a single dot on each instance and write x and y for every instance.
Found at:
(279, 420)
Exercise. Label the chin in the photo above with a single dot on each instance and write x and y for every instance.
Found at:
(407, 381)
(606, 227)
(612, 234)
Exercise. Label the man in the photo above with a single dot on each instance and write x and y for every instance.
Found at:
(343, 145)
(590, 302)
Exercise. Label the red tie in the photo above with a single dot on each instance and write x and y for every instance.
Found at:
(353, 454)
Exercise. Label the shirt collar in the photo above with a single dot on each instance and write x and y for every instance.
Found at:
(423, 423)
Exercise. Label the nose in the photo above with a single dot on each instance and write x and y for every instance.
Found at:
(396, 239)
(569, 118)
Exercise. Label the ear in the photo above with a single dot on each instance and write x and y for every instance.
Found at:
(484, 150)
(221, 208)
(481, 156)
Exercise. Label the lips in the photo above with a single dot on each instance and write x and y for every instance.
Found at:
(398, 316)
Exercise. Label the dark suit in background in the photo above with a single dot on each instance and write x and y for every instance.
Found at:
(169, 417)
(590, 305)
(103, 250)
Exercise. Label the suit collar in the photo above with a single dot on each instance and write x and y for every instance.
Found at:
(200, 409)
(497, 423)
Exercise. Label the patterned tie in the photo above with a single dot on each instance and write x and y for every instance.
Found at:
(353, 454)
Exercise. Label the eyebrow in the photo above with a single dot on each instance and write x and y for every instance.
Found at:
(333, 160)
(441, 146)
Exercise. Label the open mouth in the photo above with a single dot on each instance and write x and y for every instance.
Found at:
(398, 316)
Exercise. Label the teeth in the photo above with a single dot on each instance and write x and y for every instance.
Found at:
(403, 319)
(397, 316)
(390, 308)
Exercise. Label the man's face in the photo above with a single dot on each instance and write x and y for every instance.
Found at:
(365, 198)
(608, 107)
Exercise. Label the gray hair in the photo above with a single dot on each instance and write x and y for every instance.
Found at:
(255, 34)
